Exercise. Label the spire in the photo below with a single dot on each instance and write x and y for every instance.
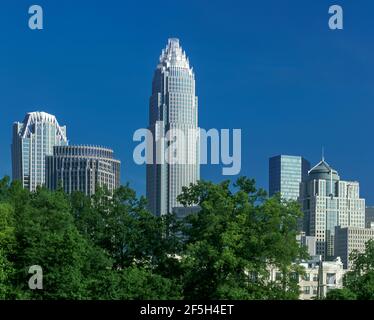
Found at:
(323, 153)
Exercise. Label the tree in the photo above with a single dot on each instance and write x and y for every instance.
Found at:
(99, 247)
(341, 294)
(108, 246)
(140, 245)
(46, 236)
(123, 227)
(234, 238)
(4, 188)
(7, 243)
(360, 280)
(136, 283)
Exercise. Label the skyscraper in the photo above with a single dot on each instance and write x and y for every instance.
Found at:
(82, 168)
(33, 139)
(173, 109)
(285, 175)
(328, 202)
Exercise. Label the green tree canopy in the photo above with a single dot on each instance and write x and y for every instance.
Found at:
(109, 246)
(234, 238)
(360, 280)
(341, 294)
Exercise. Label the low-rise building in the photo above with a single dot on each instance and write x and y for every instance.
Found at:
(319, 277)
(350, 239)
(331, 273)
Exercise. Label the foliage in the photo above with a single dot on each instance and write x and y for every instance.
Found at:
(110, 247)
(7, 243)
(234, 238)
(360, 280)
(341, 294)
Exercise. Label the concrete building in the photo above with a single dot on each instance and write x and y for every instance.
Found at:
(82, 168)
(332, 273)
(369, 217)
(308, 242)
(350, 239)
(33, 140)
(285, 175)
(319, 277)
(328, 202)
(173, 111)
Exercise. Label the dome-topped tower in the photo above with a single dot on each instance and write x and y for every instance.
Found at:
(328, 202)
(323, 171)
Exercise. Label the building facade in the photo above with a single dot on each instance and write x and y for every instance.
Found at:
(33, 140)
(328, 202)
(83, 169)
(285, 175)
(369, 217)
(350, 239)
(173, 113)
(308, 242)
(330, 272)
(318, 278)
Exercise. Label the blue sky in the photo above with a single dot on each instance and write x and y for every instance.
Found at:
(271, 68)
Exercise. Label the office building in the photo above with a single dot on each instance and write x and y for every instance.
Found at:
(308, 242)
(369, 217)
(285, 175)
(83, 169)
(328, 202)
(33, 140)
(349, 239)
(173, 110)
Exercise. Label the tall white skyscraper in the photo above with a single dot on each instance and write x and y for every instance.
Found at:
(328, 202)
(173, 111)
(33, 140)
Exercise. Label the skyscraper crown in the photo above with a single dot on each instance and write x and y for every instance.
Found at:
(173, 55)
(323, 171)
(37, 116)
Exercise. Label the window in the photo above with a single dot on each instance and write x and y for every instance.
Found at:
(331, 278)
(294, 276)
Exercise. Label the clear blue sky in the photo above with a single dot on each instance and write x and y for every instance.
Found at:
(272, 68)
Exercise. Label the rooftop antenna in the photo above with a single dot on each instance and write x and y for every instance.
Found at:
(330, 173)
